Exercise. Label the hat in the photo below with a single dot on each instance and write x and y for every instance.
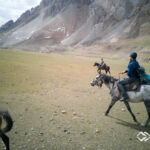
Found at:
(133, 55)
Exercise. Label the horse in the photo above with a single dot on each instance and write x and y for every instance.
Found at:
(4, 115)
(102, 67)
(142, 94)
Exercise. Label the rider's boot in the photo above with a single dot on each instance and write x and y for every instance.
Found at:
(124, 97)
(123, 92)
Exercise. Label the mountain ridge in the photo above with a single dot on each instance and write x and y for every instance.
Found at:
(80, 22)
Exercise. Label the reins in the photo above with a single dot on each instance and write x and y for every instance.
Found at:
(119, 74)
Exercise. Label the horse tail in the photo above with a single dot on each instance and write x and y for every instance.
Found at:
(9, 122)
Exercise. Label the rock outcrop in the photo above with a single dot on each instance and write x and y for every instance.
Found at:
(7, 26)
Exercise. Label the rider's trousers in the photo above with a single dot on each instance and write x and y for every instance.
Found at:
(122, 83)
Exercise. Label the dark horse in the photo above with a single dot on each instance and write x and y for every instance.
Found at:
(102, 67)
(5, 116)
(140, 95)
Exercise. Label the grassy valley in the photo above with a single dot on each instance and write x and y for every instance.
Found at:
(54, 107)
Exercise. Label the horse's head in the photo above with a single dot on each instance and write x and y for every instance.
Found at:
(96, 64)
(102, 78)
(97, 81)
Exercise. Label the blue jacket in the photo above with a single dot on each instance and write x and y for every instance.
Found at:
(132, 69)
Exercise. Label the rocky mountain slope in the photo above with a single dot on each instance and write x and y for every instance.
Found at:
(77, 22)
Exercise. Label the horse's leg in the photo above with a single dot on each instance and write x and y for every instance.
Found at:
(129, 109)
(147, 105)
(110, 106)
(5, 140)
(108, 70)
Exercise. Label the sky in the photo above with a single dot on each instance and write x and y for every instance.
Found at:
(12, 9)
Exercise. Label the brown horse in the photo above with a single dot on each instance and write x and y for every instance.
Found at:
(102, 67)
(5, 116)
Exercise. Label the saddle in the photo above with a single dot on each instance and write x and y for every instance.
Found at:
(133, 86)
(128, 87)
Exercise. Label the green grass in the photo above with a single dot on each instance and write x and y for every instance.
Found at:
(36, 87)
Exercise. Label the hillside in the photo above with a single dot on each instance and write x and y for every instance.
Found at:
(77, 22)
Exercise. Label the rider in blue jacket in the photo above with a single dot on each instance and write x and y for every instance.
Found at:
(132, 75)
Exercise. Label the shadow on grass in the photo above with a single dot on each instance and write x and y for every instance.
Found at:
(135, 126)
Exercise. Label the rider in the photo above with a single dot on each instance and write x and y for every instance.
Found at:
(144, 77)
(102, 63)
(132, 75)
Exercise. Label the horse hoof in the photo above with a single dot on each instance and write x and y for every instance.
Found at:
(135, 121)
(143, 124)
(106, 114)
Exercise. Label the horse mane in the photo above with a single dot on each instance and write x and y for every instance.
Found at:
(108, 78)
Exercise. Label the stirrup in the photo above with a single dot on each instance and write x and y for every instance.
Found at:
(123, 99)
